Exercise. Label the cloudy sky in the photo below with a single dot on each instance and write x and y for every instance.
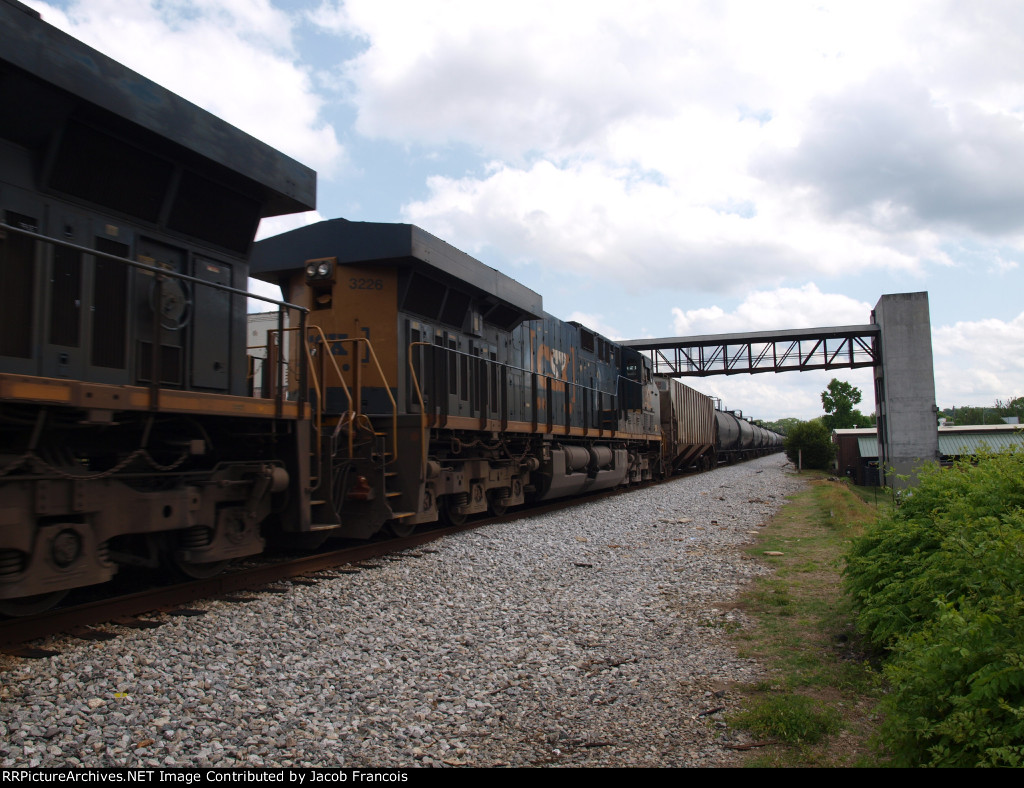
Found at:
(651, 168)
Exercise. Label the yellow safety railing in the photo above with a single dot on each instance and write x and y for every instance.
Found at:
(352, 418)
(423, 408)
(357, 374)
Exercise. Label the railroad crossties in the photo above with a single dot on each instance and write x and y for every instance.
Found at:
(590, 637)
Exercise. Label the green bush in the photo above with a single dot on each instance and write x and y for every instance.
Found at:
(958, 687)
(814, 440)
(940, 583)
(937, 545)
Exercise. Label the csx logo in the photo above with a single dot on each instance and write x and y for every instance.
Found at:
(341, 348)
(559, 363)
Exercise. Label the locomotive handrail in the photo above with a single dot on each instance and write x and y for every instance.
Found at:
(383, 378)
(354, 405)
(423, 407)
(517, 369)
(318, 410)
(161, 272)
(321, 395)
(152, 268)
(541, 375)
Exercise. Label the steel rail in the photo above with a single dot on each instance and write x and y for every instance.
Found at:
(16, 632)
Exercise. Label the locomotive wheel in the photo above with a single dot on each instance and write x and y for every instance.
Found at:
(497, 509)
(400, 528)
(192, 571)
(174, 541)
(448, 513)
(30, 605)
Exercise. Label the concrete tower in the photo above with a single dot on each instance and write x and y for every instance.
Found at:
(904, 386)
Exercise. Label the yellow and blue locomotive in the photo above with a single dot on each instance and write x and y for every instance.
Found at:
(444, 388)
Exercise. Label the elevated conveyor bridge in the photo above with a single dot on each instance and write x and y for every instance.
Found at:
(791, 350)
(896, 343)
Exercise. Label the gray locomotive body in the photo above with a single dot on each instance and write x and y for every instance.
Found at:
(128, 215)
(443, 389)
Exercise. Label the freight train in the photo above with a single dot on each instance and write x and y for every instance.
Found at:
(404, 381)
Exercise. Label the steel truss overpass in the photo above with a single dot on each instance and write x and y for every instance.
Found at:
(897, 343)
(792, 350)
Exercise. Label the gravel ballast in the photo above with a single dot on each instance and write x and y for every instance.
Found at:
(596, 636)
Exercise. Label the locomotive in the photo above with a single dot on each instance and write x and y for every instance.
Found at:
(127, 216)
(478, 399)
(405, 381)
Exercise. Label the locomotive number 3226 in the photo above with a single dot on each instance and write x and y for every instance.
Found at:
(363, 283)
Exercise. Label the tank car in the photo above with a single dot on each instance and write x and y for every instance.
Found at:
(738, 439)
(128, 214)
(735, 437)
(442, 388)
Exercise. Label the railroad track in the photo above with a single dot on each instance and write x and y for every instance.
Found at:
(91, 620)
(125, 610)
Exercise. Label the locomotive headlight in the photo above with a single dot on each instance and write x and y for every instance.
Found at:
(320, 271)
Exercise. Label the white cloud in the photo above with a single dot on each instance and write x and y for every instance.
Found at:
(725, 142)
(231, 57)
(596, 323)
(804, 307)
(1000, 265)
(524, 76)
(535, 75)
(600, 221)
(978, 362)
(275, 225)
(887, 154)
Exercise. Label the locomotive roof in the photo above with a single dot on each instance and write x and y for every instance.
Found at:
(378, 242)
(48, 78)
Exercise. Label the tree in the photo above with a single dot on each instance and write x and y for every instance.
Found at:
(838, 399)
(970, 414)
(810, 442)
(782, 426)
(1011, 407)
